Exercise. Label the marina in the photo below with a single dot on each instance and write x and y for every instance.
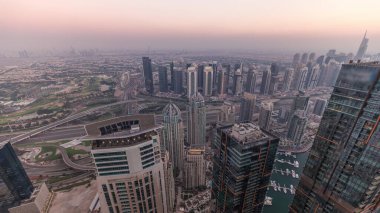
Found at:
(286, 173)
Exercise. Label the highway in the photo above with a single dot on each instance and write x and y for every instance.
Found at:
(34, 132)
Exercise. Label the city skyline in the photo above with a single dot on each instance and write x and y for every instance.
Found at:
(249, 25)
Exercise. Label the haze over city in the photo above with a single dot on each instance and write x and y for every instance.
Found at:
(283, 26)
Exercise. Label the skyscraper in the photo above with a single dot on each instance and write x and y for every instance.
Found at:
(251, 82)
(178, 80)
(247, 106)
(304, 58)
(208, 74)
(342, 171)
(163, 78)
(15, 184)
(297, 126)
(148, 74)
(243, 162)
(195, 168)
(227, 69)
(192, 81)
(265, 115)
(275, 70)
(196, 121)
(173, 134)
(200, 75)
(265, 82)
(296, 60)
(171, 65)
(319, 106)
(288, 79)
(129, 166)
(222, 82)
(312, 57)
(362, 48)
(237, 88)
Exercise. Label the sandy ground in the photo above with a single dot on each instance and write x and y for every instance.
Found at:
(75, 201)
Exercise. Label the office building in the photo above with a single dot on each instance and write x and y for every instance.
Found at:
(195, 168)
(15, 184)
(296, 127)
(173, 134)
(302, 81)
(227, 69)
(265, 82)
(178, 80)
(342, 170)
(38, 202)
(169, 181)
(171, 66)
(192, 81)
(319, 107)
(200, 76)
(265, 115)
(251, 82)
(288, 79)
(148, 74)
(312, 57)
(129, 167)
(196, 121)
(247, 107)
(304, 58)
(222, 83)
(296, 60)
(208, 74)
(237, 88)
(163, 78)
(300, 102)
(275, 78)
(362, 48)
(242, 166)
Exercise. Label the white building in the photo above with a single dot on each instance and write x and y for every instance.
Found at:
(195, 168)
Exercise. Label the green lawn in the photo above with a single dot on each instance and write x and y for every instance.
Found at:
(46, 149)
(71, 152)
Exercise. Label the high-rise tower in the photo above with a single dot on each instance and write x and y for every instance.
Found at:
(265, 115)
(148, 74)
(237, 87)
(192, 81)
(173, 134)
(265, 82)
(163, 78)
(129, 166)
(243, 162)
(297, 126)
(196, 121)
(247, 106)
(15, 184)
(362, 48)
(195, 168)
(251, 82)
(208, 74)
(342, 171)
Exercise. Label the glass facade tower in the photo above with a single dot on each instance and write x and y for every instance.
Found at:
(342, 173)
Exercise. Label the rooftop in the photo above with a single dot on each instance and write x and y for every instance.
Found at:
(246, 133)
(128, 139)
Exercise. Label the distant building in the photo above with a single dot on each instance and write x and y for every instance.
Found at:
(148, 74)
(208, 83)
(169, 181)
(222, 83)
(296, 128)
(237, 88)
(304, 58)
(362, 48)
(251, 82)
(265, 82)
(163, 78)
(38, 202)
(247, 106)
(342, 170)
(196, 121)
(227, 70)
(312, 57)
(296, 60)
(300, 102)
(275, 78)
(129, 166)
(171, 66)
(195, 168)
(288, 79)
(178, 81)
(173, 134)
(192, 81)
(265, 115)
(243, 162)
(15, 184)
(200, 75)
(319, 107)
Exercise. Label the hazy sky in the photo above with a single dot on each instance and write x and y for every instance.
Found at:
(284, 25)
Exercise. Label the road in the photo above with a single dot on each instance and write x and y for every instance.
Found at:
(34, 132)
